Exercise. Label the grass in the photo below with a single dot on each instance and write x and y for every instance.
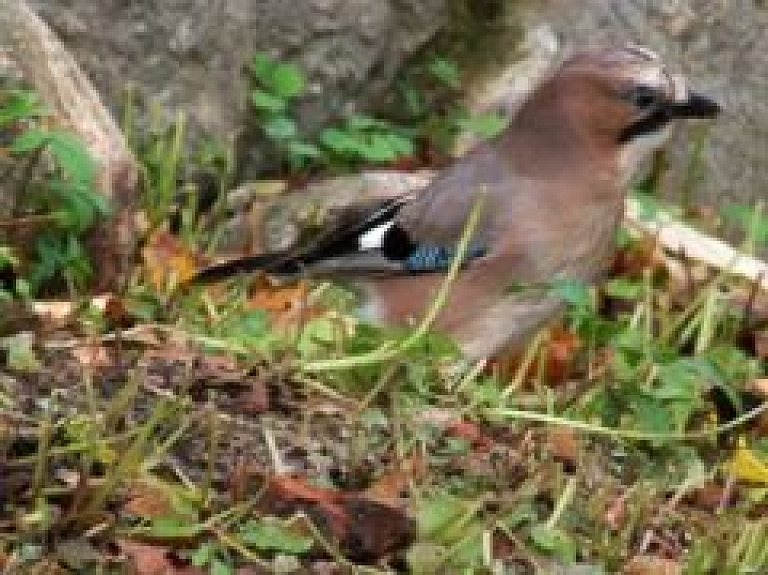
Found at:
(599, 456)
(187, 429)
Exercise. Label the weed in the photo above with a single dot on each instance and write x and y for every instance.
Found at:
(54, 200)
(358, 140)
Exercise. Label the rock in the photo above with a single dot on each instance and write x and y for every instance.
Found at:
(719, 46)
(188, 54)
(266, 221)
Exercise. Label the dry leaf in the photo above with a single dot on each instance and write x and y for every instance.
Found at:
(564, 445)
(639, 256)
(390, 486)
(92, 355)
(153, 560)
(652, 565)
(759, 386)
(277, 298)
(147, 501)
(54, 312)
(167, 261)
(472, 433)
(286, 304)
(558, 353)
(562, 346)
(615, 515)
(255, 399)
(712, 497)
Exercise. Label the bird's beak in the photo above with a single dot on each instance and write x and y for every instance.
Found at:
(695, 105)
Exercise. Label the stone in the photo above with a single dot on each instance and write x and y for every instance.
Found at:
(189, 54)
(720, 46)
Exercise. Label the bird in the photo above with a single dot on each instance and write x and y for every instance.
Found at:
(552, 184)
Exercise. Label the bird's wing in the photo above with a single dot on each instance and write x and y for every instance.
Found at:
(412, 233)
(439, 214)
(335, 250)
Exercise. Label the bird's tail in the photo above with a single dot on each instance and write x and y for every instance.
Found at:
(278, 263)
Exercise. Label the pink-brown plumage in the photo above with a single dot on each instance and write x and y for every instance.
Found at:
(553, 185)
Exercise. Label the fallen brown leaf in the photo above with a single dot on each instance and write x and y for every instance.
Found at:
(167, 261)
(146, 501)
(390, 486)
(564, 445)
(759, 386)
(366, 529)
(652, 565)
(153, 560)
(92, 355)
(616, 514)
(471, 432)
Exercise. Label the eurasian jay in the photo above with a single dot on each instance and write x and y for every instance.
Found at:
(553, 184)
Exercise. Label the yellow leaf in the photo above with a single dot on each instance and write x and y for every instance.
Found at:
(745, 465)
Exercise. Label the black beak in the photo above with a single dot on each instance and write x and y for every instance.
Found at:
(696, 106)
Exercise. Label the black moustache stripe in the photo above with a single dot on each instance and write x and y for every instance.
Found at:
(653, 122)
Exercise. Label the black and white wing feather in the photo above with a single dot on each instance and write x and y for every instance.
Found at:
(412, 233)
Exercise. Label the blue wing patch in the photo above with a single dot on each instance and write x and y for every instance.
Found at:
(431, 258)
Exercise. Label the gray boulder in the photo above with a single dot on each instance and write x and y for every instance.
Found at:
(189, 54)
(720, 46)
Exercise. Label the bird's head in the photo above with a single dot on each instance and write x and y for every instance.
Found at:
(626, 100)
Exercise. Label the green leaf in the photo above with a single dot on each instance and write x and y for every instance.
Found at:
(425, 558)
(361, 123)
(446, 71)
(58, 254)
(651, 415)
(18, 104)
(650, 206)
(684, 379)
(339, 141)
(305, 150)
(203, 555)
(30, 141)
(70, 154)
(317, 336)
(281, 128)
(250, 326)
(173, 528)
(8, 257)
(261, 65)
(21, 354)
(555, 542)
(415, 102)
(744, 217)
(265, 101)
(624, 288)
(269, 535)
(573, 292)
(438, 515)
(484, 125)
(401, 145)
(218, 567)
(378, 149)
(22, 288)
(287, 80)
(67, 150)
(733, 365)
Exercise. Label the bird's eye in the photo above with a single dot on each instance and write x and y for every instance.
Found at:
(643, 96)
